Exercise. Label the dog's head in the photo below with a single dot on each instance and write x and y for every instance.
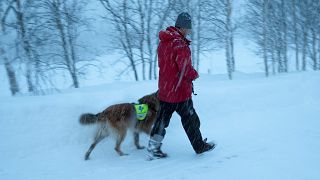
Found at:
(153, 103)
(152, 100)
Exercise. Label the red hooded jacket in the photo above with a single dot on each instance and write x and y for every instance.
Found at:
(175, 68)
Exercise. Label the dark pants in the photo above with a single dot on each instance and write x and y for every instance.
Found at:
(189, 119)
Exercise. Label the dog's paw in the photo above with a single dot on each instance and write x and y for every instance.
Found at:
(86, 157)
(123, 154)
(141, 147)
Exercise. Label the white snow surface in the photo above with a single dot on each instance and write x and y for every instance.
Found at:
(265, 128)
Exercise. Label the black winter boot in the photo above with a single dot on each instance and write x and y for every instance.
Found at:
(207, 146)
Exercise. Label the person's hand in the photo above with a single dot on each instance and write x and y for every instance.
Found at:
(191, 80)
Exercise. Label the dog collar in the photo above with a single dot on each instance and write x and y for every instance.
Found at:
(141, 111)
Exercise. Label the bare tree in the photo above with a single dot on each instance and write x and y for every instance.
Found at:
(62, 22)
(277, 34)
(15, 6)
(199, 41)
(306, 30)
(284, 34)
(47, 31)
(14, 87)
(155, 13)
(314, 31)
(308, 20)
(21, 20)
(259, 26)
(120, 19)
(58, 11)
(264, 36)
(1, 14)
(229, 39)
(295, 32)
(162, 14)
(262, 26)
(281, 23)
(222, 29)
(136, 24)
(13, 84)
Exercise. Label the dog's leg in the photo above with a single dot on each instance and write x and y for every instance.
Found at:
(101, 134)
(120, 138)
(136, 140)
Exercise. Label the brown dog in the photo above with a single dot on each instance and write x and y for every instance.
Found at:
(118, 118)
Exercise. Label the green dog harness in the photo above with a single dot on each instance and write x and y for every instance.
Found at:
(141, 111)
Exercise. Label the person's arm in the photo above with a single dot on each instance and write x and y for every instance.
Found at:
(183, 61)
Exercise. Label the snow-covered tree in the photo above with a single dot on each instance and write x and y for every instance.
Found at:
(278, 26)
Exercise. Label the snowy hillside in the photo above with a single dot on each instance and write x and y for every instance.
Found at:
(266, 128)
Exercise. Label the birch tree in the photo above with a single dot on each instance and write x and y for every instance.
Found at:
(19, 23)
(222, 29)
(11, 74)
(120, 21)
(58, 11)
(137, 24)
(267, 27)
(277, 25)
(295, 28)
(62, 23)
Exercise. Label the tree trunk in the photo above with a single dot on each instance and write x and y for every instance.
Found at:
(26, 46)
(284, 37)
(280, 67)
(149, 35)
(128, 41)
(304, 50)
(314, 49)
(63, 36)
(141, 42)
(71, 44)
(273, 62)
(319, 51)
(305, 28)
(265, 55)
(161, 23)
(198, 36)
(232, 53)
(227, 39)
(280, 53)
(296, 43)
(14, 87)
(120, 19)
(194, 61)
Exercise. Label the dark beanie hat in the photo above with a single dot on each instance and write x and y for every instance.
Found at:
(183, 21)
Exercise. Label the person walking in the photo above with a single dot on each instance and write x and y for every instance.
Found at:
(175, 88)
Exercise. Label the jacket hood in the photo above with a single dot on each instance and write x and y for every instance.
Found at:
(171, 33)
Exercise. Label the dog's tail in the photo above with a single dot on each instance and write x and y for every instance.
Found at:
(88, 118)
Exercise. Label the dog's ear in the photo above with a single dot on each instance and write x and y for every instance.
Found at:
(146, 98)
(151, 100)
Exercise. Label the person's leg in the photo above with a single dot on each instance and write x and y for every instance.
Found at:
(191, 124)
(163, 119)
(159, 129)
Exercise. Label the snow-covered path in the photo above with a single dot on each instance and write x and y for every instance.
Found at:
(266, 128)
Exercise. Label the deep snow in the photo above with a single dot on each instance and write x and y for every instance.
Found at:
(266, 128)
